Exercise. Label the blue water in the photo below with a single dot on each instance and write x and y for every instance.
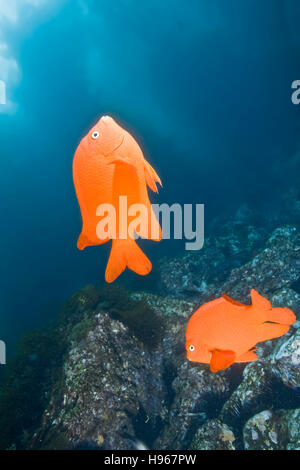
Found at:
(204, 85)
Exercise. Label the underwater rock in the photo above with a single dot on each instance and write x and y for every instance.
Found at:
(125, 376)
(277, 266)
(175, 314)
(234, 264)
(273, 430)
(110, 384)
(285, 359)
(201, 275)
(213, 435)
(251, 396)
(197, 395)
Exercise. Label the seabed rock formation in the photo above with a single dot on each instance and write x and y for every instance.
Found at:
(124, 378)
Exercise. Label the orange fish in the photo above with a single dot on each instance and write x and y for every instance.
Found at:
(109, 163)
(224, 331)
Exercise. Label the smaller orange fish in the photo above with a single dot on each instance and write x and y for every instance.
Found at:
(223, 331)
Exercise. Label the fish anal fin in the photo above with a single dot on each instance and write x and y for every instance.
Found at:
(272, 330)
(248, 356)
(233, 302)
(221, 359)
(260, 302)
(285, 316)
(119, 159)
(84, 241)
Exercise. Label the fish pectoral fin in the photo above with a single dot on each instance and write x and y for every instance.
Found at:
(115, 159)
(151, 177)
(248, 356)
(221, 359)
(150, 182)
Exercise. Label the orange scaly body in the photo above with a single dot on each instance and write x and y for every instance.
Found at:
(109, 163)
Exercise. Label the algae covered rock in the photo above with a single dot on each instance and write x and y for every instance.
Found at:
(121, 376)
(273, 430)
(252, 395)
(285, 359)
(277, 266)
(197, 394)
(213, 435)
(109, 380)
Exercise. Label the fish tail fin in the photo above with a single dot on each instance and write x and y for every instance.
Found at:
(285, 316)
(269, 331)
(126, 253)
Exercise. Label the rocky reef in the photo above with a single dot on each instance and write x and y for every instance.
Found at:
(122, 380)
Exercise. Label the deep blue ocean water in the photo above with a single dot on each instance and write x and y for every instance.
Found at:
(204, 85)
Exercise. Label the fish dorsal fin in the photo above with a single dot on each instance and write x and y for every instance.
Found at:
(233, 302)
(151, 177)
(259, 301)
(221, 359)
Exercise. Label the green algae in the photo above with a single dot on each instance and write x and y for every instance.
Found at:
(83, 300)
(23, 392)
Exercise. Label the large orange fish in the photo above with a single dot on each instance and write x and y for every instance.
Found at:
(109, 163)
(224, 331)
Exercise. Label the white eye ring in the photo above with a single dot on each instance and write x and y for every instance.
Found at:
(95, 135)
(192, 348)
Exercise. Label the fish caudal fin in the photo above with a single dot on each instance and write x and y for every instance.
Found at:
(272, 330)
(126, 253)
(221, 359)
(285, 316)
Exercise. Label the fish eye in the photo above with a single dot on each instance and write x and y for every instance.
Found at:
(95, 135)
(192, 348)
